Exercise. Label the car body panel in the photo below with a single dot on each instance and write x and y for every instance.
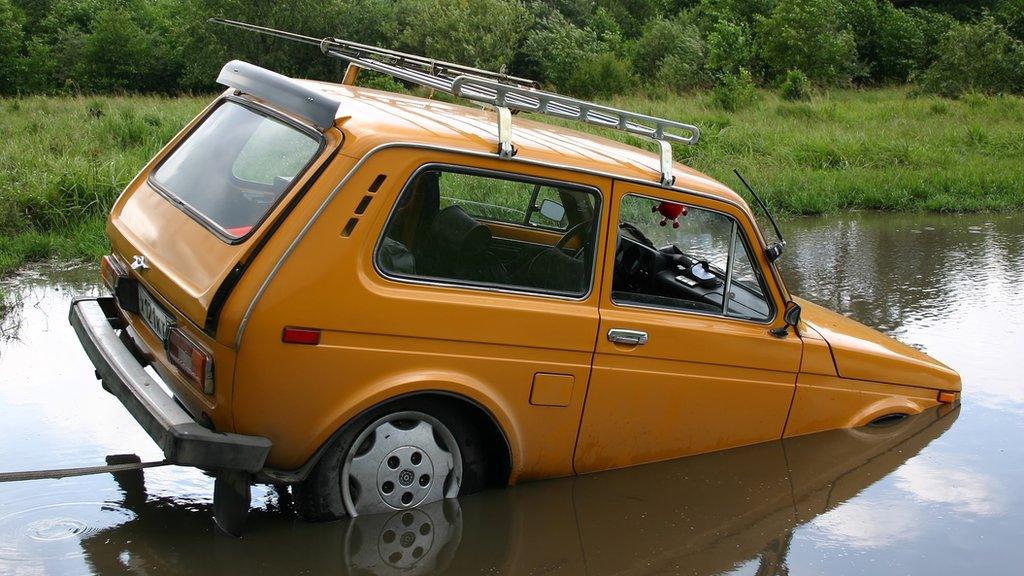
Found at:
(862, 353)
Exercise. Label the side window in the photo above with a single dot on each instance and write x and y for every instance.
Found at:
(684, 257)
(443, 227)
(508, 201)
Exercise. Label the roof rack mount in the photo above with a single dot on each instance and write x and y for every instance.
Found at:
(503, 91)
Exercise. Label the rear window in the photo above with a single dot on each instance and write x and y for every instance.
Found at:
(235, 167)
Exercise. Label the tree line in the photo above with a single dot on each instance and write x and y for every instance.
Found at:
(589, 48)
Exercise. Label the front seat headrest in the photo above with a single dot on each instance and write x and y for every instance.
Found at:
(454, 230)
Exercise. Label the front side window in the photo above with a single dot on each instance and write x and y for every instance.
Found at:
(676, 256)
(480, 229)
(235, 166)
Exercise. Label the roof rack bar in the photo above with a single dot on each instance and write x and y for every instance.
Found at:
(347, 49)
(506, 93)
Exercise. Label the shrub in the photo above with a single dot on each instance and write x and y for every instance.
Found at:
(600, 75)
(1010, 13)
(806, 35)
(933, 27)
(728, 48)
(553, 50)
(11, 35)
(474, 32)
(795, 86)
(378, 81)
(117, 54)
(900, 42)
(979, 57)
(671, 54)
(734, 91)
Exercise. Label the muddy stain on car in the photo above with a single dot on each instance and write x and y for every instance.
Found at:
(934, 493)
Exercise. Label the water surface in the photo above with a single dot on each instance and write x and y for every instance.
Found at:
(936, 494)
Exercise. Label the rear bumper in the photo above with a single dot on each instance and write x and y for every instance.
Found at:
(181, 438)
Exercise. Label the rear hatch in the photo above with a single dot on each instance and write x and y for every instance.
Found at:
(202, 206)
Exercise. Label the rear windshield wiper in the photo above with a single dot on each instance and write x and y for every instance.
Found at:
(773, 251)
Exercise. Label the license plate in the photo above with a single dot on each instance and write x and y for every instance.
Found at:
(153, 315)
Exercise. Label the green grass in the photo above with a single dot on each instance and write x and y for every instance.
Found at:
(859, 149)
(64, 160)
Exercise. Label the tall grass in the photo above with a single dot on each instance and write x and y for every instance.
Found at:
(64, 160)
(853, 149)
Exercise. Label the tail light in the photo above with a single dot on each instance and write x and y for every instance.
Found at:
(110, 271)
(191, 359)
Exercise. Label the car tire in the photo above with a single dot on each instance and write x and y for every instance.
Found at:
(322, 495)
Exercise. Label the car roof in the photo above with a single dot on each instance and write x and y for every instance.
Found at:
(371, 118)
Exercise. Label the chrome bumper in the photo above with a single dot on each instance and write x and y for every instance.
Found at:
(181, 438)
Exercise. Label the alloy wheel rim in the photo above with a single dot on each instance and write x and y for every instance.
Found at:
(400, 461)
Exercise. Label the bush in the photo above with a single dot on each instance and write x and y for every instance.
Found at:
(734, 91)
(933, 26)
(553, 50)
(671, 54)
(806, 35)
(474, 32)
(795, 86)
(728, 48)
(980, 57)
(900, 42)
(1010, 13)
(599, 75)
(11, 21)
(117, 54)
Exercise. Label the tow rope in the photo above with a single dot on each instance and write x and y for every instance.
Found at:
(115, 463)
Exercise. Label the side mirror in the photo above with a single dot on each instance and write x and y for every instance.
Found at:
(552, 210)
(773, 252)
(792, 315)
(792, 318)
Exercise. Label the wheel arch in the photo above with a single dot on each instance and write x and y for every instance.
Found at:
(494, 422)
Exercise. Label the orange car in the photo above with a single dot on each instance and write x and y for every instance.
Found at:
(385, 300)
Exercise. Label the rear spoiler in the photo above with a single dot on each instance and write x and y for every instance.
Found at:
(280, 90)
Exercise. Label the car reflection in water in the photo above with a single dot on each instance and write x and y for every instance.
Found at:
(704, 514)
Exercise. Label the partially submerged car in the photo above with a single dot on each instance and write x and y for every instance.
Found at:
(385, 300)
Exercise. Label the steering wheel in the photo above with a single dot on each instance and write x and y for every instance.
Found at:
(576, 230)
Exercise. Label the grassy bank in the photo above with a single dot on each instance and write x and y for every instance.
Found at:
(64, 160)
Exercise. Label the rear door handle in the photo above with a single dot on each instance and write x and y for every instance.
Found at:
(631, 337)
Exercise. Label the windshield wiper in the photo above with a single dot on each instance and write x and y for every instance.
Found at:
(773, 251)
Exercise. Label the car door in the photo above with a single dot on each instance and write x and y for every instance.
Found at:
(675, 372)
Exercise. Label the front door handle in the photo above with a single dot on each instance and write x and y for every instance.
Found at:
(631, 337)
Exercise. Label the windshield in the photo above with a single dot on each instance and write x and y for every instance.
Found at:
(235, 166)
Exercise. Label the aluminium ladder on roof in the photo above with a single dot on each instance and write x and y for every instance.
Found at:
(504, 92)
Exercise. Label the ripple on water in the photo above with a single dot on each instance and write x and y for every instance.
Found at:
(55, 530)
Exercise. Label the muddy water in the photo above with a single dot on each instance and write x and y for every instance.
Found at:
(940, 493)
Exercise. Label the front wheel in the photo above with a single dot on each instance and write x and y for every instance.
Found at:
(404, 456)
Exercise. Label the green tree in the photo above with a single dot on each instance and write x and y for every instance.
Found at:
(1010, 13)
(806, 35)
(672, 53)
(900, 42)
(976, 57)
(552, 50)
(480, 33)
(117, 53)
(728, 48)
(11, 38)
